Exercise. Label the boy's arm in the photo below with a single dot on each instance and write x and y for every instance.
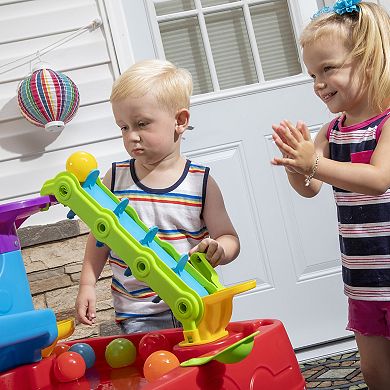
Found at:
(223, 246)
(94, 260)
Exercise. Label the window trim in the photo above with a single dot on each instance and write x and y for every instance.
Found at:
(117, 33)
(244, 90)
(301, 12)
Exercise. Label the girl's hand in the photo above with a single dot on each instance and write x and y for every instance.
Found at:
(296, 146)
(213, 250)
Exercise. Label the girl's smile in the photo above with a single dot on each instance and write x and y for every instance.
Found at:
(328, 96)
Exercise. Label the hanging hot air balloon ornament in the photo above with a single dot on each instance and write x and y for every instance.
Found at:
(48, 99)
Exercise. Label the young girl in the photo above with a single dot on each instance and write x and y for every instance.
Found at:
(346, 49)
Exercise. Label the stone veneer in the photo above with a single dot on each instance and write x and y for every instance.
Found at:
(53, 256)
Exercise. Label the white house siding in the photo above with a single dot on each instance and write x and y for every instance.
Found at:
(28, 154)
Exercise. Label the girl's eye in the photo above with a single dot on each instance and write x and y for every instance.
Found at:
(124, 128)
(326, 68)
(141, 124)
(313, 76)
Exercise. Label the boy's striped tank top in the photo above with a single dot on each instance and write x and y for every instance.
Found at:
(176, 211)
(363, 220)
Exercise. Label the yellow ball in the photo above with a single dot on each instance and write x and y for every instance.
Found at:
(80, 164)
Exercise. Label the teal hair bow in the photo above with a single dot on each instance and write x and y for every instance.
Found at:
(339, 7)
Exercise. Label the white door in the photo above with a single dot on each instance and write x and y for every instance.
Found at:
(248, 74)
(385, 3)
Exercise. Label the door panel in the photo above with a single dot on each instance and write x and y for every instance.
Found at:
(231, 158)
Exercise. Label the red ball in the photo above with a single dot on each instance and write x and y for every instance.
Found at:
(69, 366)
(153, 342)
(158, 364)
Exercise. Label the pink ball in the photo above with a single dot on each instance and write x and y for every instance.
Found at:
(69, 366)
(153, 342)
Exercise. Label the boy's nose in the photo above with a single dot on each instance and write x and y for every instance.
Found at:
(134, 136)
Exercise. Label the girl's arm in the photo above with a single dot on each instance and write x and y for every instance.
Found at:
(369, 179)
(223, 246)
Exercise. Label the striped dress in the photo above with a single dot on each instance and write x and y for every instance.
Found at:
(363, 220)
(176, 211)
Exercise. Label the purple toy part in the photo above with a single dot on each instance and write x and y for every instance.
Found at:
(12, 215)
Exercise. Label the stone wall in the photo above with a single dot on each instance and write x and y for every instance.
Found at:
(53, 257)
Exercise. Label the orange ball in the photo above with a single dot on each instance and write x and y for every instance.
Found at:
(59, 349)
(158, 364)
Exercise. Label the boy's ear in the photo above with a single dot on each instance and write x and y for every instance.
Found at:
(182, 119)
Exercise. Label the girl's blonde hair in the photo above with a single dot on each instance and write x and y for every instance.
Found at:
(170, 85)
(367, 34)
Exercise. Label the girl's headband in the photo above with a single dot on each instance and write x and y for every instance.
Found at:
(339, 7)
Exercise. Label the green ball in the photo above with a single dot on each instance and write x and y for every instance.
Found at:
(120, 353)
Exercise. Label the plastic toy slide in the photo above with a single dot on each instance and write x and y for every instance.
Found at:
(190, 288)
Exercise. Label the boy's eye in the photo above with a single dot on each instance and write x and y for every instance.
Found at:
(326, 68)
(313, 76)
(124, 128)
(141, 124)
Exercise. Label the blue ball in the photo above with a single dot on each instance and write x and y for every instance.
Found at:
(86, 351)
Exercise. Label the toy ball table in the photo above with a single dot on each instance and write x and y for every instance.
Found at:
(270, 365)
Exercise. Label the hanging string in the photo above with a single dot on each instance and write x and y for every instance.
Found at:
(96, 23)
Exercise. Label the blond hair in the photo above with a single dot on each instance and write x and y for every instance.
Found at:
(367, 34)
(170, 85)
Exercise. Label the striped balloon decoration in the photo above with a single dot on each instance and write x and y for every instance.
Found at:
(48, 99)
